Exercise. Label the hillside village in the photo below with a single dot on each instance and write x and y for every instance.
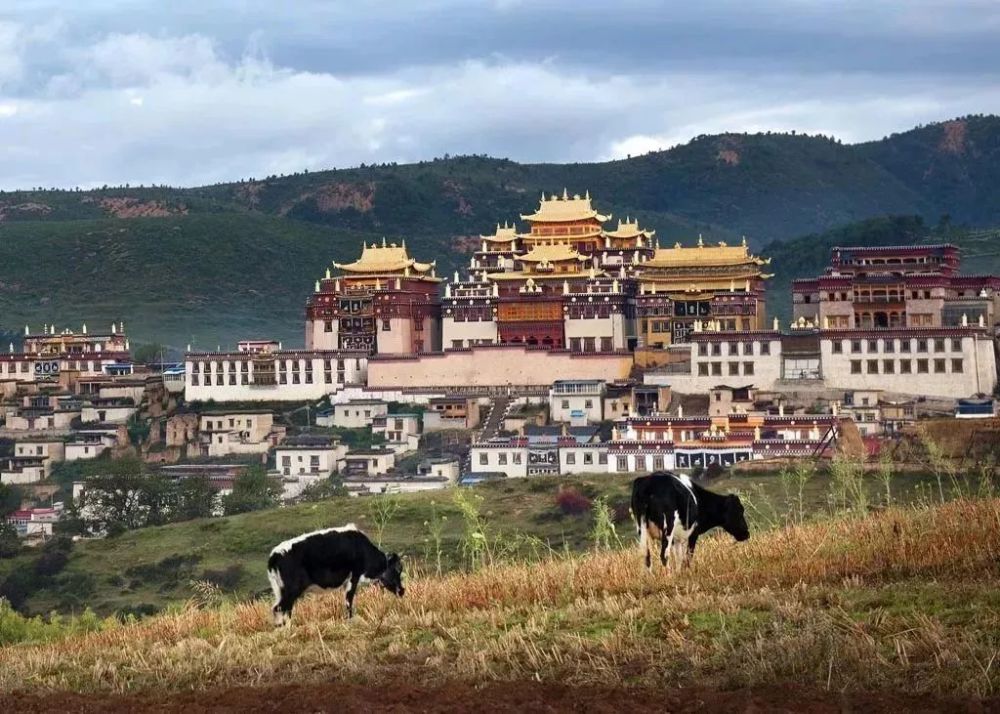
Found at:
(577, 345)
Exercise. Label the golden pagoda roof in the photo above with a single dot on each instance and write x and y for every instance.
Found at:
(702, 255)
(542, 253)
(563, 209)
(504, 234)
(629, 229)
(386, 259)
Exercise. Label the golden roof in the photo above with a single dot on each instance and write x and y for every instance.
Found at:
(522, 275)
(703, 255)
(504, 234)
(560, 210)
(385, 259)
(629, 229)
(541, 253)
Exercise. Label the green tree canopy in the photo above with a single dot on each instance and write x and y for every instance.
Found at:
(253, 490)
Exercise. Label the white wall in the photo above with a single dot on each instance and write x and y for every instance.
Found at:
(978, 374)
(470, 333)
(593, 414)
(358, 415)
(75, 452)
(709, 370)
(582, 459)
(300, 460)
(509, 460)
(226, 364)
(598, 327)
(112, 415)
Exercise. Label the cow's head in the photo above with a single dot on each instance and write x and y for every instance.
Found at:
(392, 577)
(734, 521)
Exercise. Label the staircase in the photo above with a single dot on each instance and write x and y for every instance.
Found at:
(494, 420)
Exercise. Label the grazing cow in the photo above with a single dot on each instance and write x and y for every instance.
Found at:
(674, 511)
(328, 558)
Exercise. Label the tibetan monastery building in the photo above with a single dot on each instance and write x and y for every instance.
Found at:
(719, 283)
(569, 283)
(385, 302)
(895, 287)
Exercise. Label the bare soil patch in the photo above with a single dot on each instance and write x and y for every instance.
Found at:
(495, 697)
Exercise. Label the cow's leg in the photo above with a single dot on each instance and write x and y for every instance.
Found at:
(644, 542)
(667, 541)
(692, 541)
(352, 587)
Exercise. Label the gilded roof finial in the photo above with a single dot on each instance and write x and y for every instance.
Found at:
(565, 194)
(744, 241)
(586, 194)
(701, 243)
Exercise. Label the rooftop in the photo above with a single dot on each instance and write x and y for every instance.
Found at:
(389, 259)
(703, 256)
(504, 234)
(557, 209)
(551, 253)
(629, 229)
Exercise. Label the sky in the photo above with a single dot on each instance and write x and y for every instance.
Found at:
(188, 93)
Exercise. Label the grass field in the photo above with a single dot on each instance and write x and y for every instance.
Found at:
(146, 570)
(904, 599)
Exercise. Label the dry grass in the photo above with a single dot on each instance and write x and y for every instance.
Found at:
(904, 599)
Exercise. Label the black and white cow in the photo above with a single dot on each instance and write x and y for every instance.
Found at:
(673, 511)
(328, 558)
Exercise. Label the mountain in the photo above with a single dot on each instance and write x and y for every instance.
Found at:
(210, 264)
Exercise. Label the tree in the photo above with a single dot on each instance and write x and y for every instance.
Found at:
(195, 498)
(322, 490)
(125, 496)
(253, 490)
(10, 544)
(147, 354)
(10, 499)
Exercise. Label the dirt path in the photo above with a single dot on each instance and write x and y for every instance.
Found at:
(497, 698)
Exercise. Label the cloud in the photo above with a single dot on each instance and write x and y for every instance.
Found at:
(208, 93)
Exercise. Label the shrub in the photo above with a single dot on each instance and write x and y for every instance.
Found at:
(17, 586)
(143, 609)
(51, 562)
(621, 509)
(225, 578)
(539, 486)
(571, 502)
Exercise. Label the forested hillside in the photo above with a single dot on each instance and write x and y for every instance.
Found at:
(210, 264)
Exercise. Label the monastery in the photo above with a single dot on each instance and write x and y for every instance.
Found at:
(583, 297)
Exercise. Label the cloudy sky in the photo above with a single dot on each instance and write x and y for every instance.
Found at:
(190, 92)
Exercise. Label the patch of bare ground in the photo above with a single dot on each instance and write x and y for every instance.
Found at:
(333, 197)
(9, 209)
(496, 697)
(728, 156)
(128, 207)
(953, 137)
(466, 244)
(462, 205)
